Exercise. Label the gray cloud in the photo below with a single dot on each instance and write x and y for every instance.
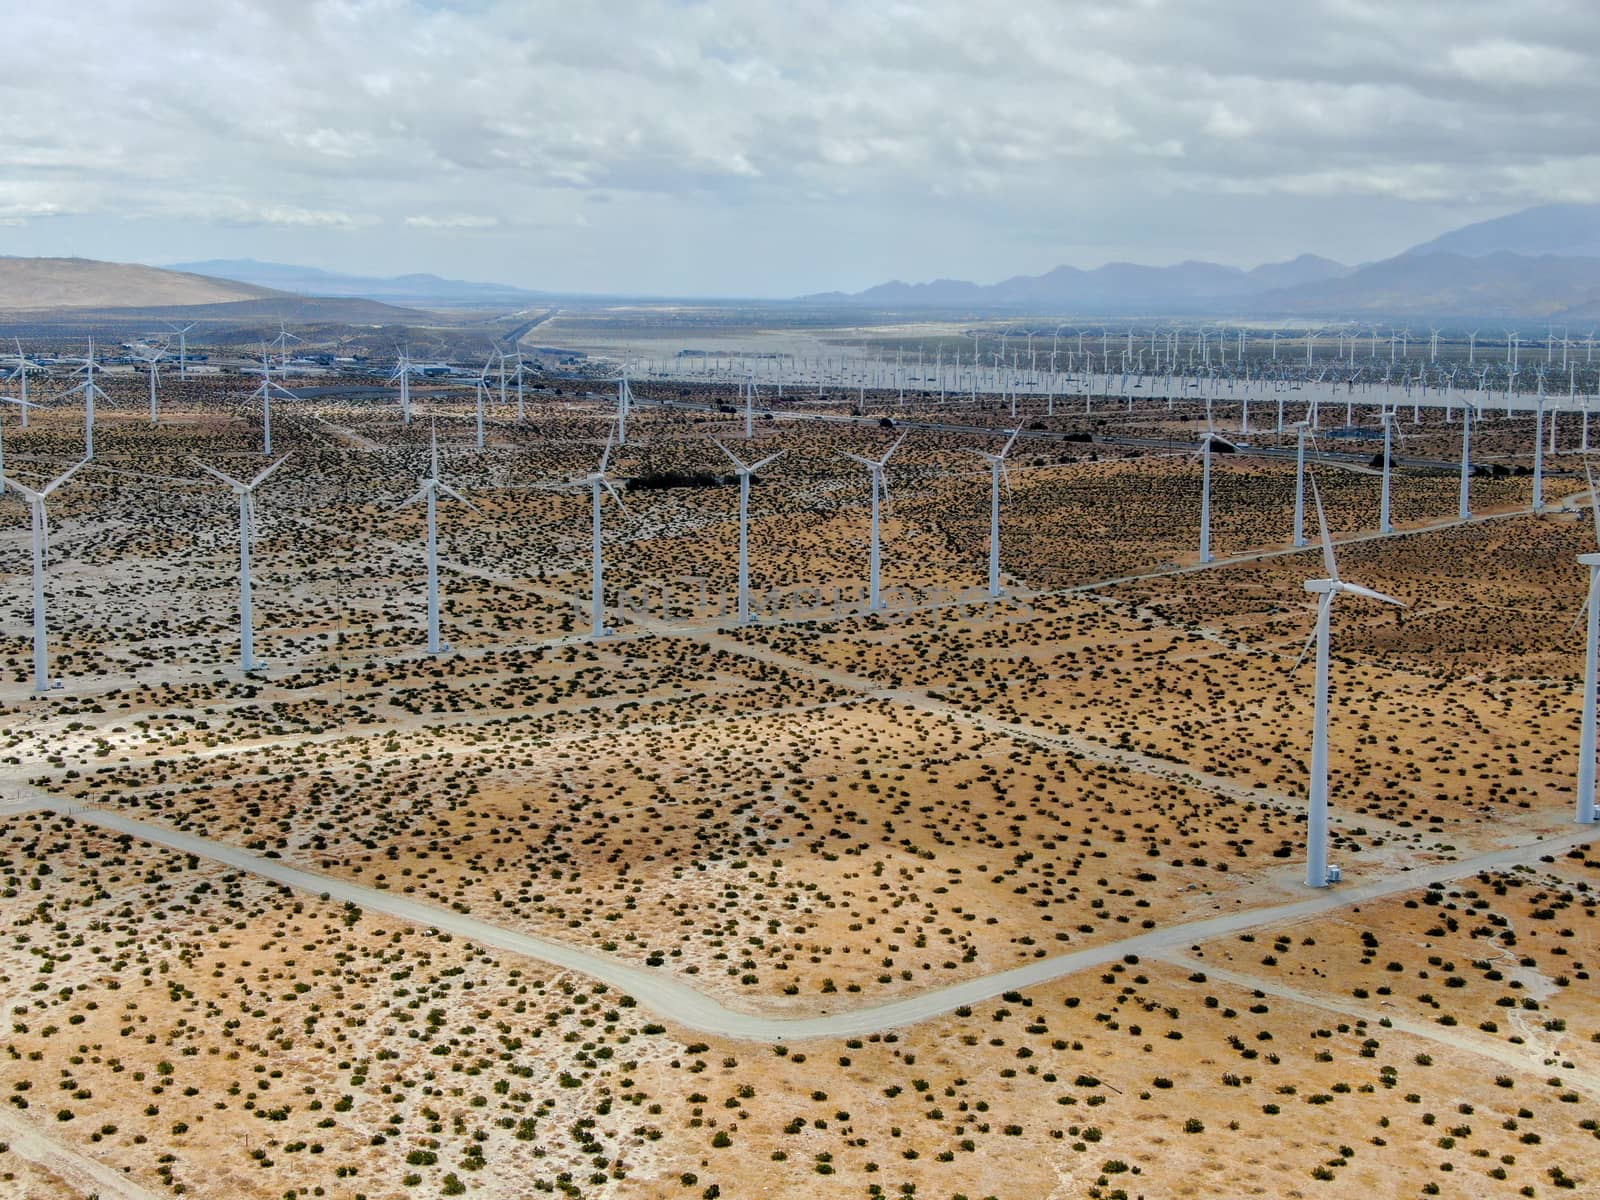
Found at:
(774, 148)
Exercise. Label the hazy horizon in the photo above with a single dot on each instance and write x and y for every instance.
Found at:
(707, 149)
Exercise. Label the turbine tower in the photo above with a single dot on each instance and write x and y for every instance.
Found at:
(997, 468)
(1464, 508)
(1385, 525)
(90, 390)
(246, 493)
(624, 403)
(150, 360)
(41, 536)
(264, 394)
(597, 483)
(1591, 669)
(481, 391)
(183, 346)
(402, 375)
(429, 492)
(1317, 872)
(880, 492)
(745, 472)
(1204, 455)
(1302, 431)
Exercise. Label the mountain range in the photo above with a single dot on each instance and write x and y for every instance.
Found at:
(422, 290)
(1541, 262)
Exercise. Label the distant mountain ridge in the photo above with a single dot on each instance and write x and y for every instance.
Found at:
(1541, 262)
(406, 289)
(42, 284)
(1567, 230)
(1114, 283)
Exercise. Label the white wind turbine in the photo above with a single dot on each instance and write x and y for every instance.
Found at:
(1204, 455)
(749, 405)
(431, 487)
(997, 468)
(283, 339)
(91, 391)
(246, 494)
(24, 365)
(1302, 431)
(482, 391)
(41, 537)
(1591, 669)
(150, 360)
(1318, 873)
(1468, 415)
(1385, 525)
(745, 472)
(183, 346)
(624, 404)
(880, 492)
(597, 483)
(264, 394)
(402, 375)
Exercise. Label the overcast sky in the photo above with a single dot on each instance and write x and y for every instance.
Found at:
(733, 147)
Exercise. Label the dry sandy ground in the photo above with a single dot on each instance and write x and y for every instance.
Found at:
(792, 819)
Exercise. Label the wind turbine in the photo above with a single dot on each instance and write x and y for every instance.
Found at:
(264, 394)
(1204, 454)
(24, 365)
(247, 520)
(1302, 431)
(1317, 870)
(1591, 669)
(875, 469)
(997, 468)
(150, 360)
(1385, 525)
(745, 472)
(480, 392)
(624, 403)
(283, 339)
(41, 536)
(402, 374)
(432, 485)
(1464, 508)
(597, 483)
(183, 346)
(749, 405)
(90, 390)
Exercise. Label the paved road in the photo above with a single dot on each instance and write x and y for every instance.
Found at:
(675, 1001)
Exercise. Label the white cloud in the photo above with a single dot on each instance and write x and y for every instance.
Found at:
(847, 127)
(458, 221)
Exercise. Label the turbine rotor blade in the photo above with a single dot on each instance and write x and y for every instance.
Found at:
(1328, 562)
(734, 458)
(1594, 501)
(227, 479)
(1355, 589)
(606, 483)
(262, 477)
(457, 496)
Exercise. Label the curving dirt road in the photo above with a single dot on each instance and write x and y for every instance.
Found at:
(675, 1001)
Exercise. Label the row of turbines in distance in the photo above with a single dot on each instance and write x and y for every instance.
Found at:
(599, 482)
